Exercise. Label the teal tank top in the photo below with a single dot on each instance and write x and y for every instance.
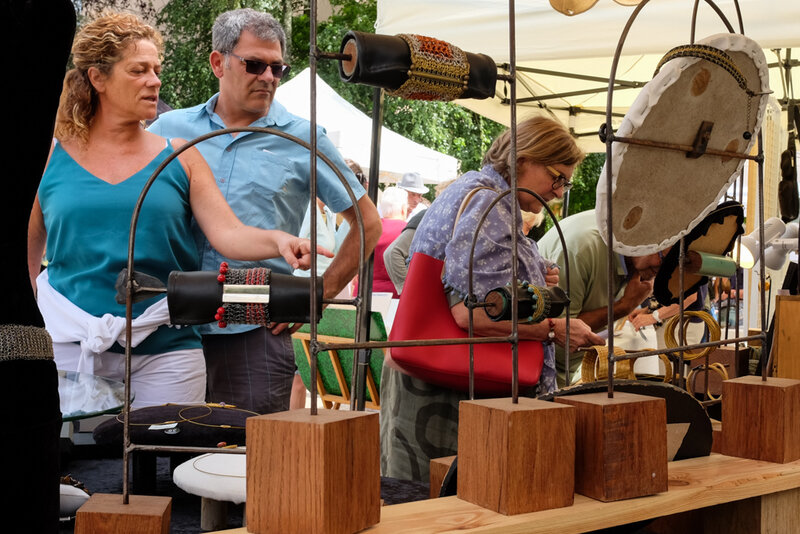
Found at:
(87, 222)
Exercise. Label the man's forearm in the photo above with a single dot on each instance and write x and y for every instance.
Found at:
(598, 318)
(345, 264)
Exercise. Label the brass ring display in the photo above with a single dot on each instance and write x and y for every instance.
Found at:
(716, 367)
(595, 365)
(670, 326)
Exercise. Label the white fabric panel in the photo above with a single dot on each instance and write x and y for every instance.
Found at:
(351, 132)
(584, 44)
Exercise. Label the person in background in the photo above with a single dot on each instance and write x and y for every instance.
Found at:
(395, 257)
(419, 420)
(588, 262)
(266, 180)
(413, 184)
(99, 163)
(392, 207)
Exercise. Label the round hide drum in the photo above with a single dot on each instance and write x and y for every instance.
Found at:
(659, 195)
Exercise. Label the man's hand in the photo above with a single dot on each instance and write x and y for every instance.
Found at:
(277, 328)
(297, 251)
(551, 275)
(636, 291)
(641, 320)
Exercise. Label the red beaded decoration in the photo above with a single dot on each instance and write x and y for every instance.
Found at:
(223, 269)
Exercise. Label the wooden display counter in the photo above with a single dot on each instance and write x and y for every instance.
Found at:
(708, 483)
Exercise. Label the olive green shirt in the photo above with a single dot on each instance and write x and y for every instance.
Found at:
(588, 270)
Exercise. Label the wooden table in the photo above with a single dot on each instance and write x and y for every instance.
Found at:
(766, 496)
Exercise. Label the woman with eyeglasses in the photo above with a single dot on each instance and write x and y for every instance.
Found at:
(99, 162)
(419, 421)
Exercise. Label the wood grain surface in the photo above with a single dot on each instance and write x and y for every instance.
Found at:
(516, 458)
(104, 512)
(760, 418)
(694, 484)
(313, 474)
(621, 449)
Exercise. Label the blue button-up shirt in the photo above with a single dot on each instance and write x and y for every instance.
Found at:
(264, 178)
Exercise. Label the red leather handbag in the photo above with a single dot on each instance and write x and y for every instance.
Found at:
(424, 313)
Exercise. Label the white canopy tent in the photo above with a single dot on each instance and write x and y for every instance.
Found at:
(351, 131)
(557, 47)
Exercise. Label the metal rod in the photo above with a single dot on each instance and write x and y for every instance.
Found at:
(413, 343)
(575, 76)
(670, 351)
(762, 271)
(313, 200)
(722, 16)
(681, 313)
(191, 450)
(334, 55)
(130, 265)
(681, 148)
(609, 192)
(566, 94)
(361, 359)
(694, 21)
(515, 214)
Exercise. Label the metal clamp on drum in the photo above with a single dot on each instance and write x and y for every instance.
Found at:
(534, 303)
(240, 296)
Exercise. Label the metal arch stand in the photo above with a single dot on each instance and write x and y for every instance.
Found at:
(129, 447)
(608, 137)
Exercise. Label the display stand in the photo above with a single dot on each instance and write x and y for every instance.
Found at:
(621, 449)
(142, 514)
(509, 458)
(311, 474)
(760, 418)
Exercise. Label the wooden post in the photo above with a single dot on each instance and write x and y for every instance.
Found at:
(144, 514)
(760, 419)
(621, 449)
(438, 470)
(313, 474)
(787, 336)
(516, 458)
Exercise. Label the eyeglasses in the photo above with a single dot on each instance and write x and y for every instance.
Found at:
(254, 66)
(560, 179)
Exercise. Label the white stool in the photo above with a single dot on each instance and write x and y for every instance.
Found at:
(218, 479)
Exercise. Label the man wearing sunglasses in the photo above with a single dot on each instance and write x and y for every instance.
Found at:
(265, 179)
(588, 263)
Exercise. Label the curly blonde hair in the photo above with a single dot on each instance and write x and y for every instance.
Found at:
(98, 44)
(540, 140)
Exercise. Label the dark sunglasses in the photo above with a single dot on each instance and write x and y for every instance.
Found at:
(560, 179)
(254, 66)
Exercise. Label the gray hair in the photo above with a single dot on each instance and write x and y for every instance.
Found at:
(229, 27)
(392, 203)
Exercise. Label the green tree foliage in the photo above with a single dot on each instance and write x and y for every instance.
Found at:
(582, 195)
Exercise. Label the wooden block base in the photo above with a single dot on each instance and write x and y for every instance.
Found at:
(516, 458)
(787, 334)
(760, 419)
(438, 470)
(313, 474)
(144, 514)
(621, 445)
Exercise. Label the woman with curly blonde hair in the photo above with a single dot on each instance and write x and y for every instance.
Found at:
(97, 168)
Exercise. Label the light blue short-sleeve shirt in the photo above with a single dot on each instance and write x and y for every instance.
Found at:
(264, 178)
